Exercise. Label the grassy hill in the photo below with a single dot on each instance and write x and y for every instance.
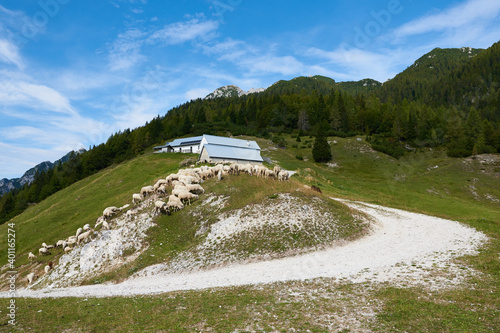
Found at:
(467, 190)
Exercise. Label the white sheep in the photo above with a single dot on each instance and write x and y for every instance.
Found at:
(283, 176)
(83, 236)
(43, 251)
(161, 206)
(270, 174)
(174, 203)
(110, 211)
(234, 169)
(31, 277)
(195, 188)
(159, 183)
(67, 249)
(162, 189)
(99, 221)
(176, 191)
(60, 243)
(31, 256)
(147, 190)
(46, 269)
(86, 227)
(44, 245)
(136, 197)
(105, 225)
(277, 169)
(187, 196)
(186, 179)
(71, 240)
(78, 232)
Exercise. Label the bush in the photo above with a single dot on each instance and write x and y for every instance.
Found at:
(388, 145)
(299, 156)
(279, 140)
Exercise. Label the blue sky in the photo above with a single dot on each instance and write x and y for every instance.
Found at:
(73, 72)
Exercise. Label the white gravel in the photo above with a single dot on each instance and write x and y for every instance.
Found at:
(403, 248)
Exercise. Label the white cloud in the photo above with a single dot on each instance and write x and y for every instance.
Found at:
(463, 15)
(125, 51)
(33, 96)
(9, 53)
(181, 32)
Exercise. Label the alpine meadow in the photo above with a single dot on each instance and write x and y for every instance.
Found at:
(312, 205)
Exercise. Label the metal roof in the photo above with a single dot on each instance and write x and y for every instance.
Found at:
(233, 153)
(219, 140)
(195, 140)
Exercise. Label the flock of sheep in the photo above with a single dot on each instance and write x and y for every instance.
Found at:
(185, 186)
(186, 183)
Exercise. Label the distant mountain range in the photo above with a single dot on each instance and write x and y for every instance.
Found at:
(427, 69)
(7, 185)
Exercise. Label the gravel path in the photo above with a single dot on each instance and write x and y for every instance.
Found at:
(403, 247)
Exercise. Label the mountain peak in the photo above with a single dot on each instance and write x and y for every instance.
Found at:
(231, 91)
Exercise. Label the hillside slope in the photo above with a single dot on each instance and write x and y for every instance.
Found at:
(425, 181)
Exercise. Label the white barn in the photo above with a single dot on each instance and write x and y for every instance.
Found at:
(221, 149)
(215, 149)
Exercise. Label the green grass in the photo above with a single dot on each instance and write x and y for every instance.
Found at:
(60, 215)
(455, 190)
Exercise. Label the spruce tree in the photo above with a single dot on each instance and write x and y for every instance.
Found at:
(321, 150)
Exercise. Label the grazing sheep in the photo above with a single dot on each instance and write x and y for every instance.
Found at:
(161, 206)
(177, 183)
(48, 247)
(110, 211)
(105, 225)
(46, 269)
(162, 189)
(60, 243)
(86, 227)
(277, 169)
(31, 277)
(283, 176)
(67, 249)
(174, 203)
(136, 197)
(147, 190)
(187, 196)
(84, 236)
(160, 183)
(176, 191)
(195, 188)
(186, 179)
(31, 256)
(71, 240)
(78, 232)
(99, 221)
(270, 174)
(44, 245)
(234, 169)
(64, 244)
(43, 251)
